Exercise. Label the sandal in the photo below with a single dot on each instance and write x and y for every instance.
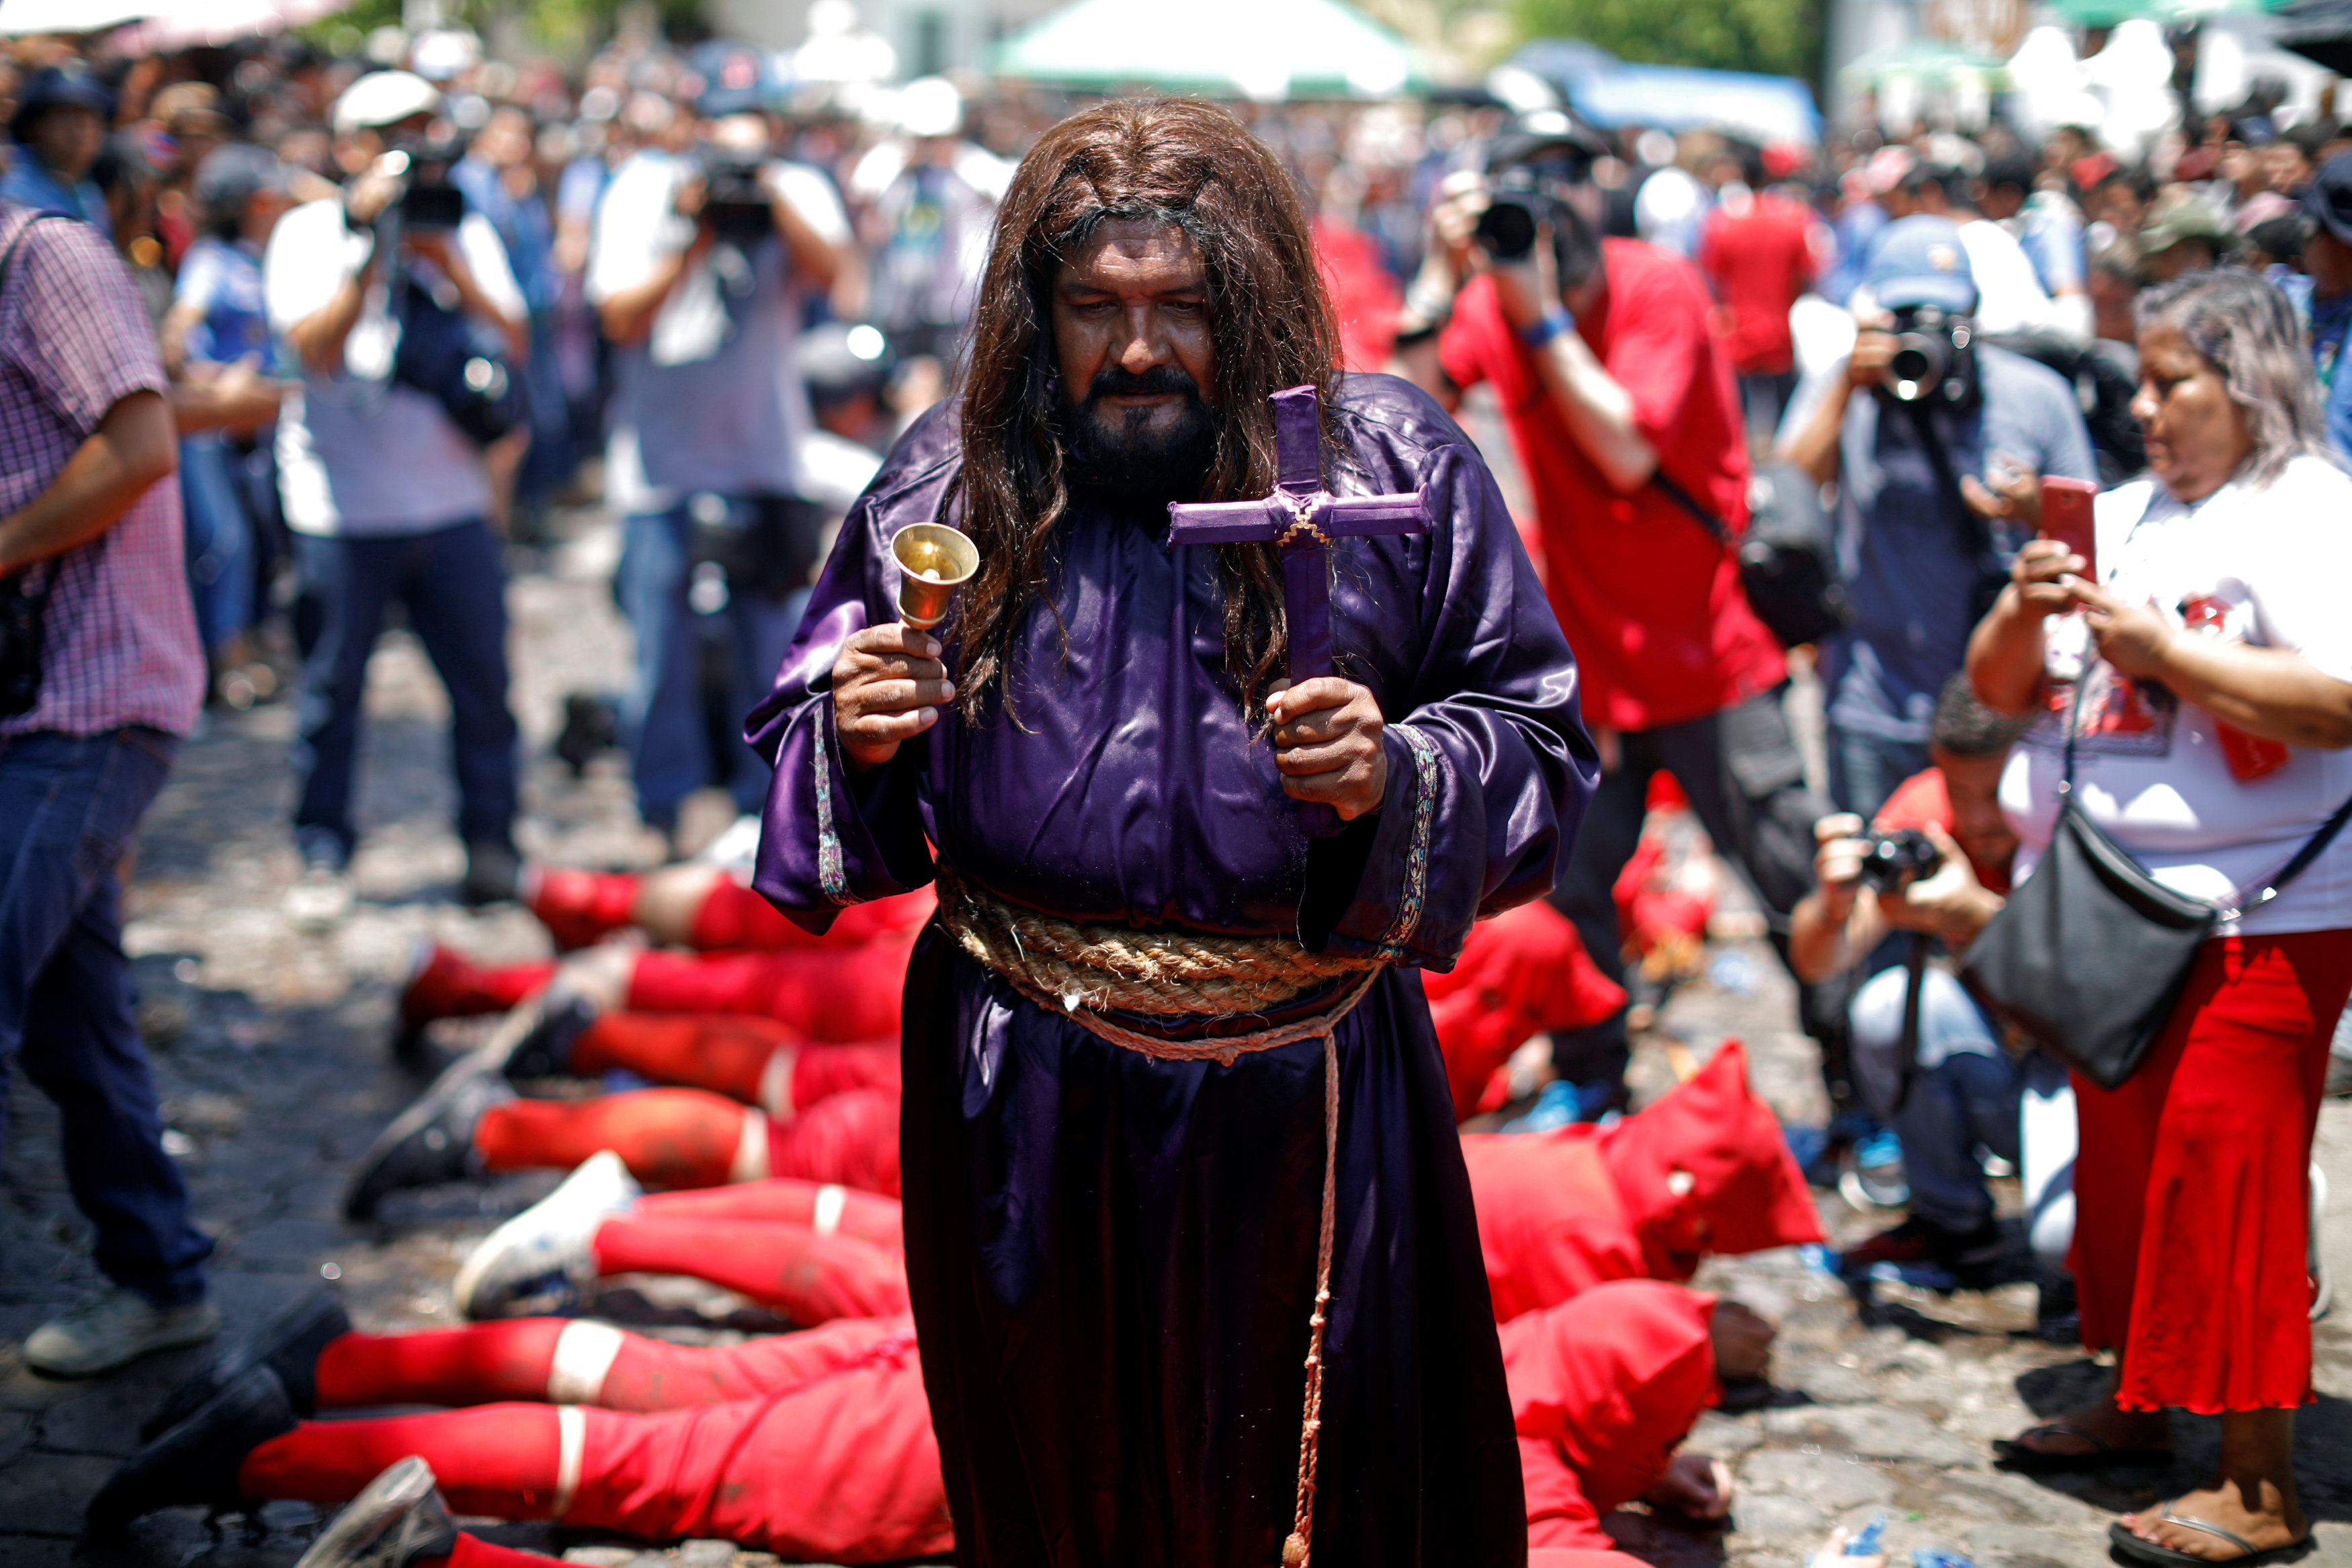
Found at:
(2013, 1455)
(2140, 1550)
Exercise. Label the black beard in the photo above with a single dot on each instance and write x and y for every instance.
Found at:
(1116, 463)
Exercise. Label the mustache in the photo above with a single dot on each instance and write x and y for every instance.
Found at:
(1118, 380)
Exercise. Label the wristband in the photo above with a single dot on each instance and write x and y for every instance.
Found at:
(1555, 322)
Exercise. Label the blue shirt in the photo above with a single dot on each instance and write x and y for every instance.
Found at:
(223, 280)
(30, 183)
(1909, 560)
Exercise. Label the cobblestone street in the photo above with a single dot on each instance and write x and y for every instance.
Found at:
(270, 1048)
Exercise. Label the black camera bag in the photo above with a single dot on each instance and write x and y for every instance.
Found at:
(456, 361)
(1788, 557)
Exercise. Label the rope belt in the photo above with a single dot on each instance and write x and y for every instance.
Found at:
(1075, 971)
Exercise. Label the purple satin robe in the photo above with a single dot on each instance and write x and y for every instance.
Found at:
(1111, 1257)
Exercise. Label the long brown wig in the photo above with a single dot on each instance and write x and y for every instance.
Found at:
(1195, 165)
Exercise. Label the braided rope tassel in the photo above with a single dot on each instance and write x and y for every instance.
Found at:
(1298, 1548)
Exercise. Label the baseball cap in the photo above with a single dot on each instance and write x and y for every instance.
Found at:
(1919, 260)
(384, 98)
(2328, 197)
(2178, 215)
(52, 85)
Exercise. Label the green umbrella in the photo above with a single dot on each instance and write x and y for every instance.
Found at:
(1937, 62)
(1261, 49)
(2107, 12)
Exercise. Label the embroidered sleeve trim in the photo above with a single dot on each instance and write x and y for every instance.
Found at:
(1416, 858)
(830, 876)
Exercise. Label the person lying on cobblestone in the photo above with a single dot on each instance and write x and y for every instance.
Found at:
(1703, 1170)
(1523, 973)
(815, 1253)
(471, 1124)
(817, 1446)
(701, 907)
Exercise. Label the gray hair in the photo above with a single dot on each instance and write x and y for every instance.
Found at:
(2247, 330)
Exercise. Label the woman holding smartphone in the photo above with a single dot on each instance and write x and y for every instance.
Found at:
(2210, 743)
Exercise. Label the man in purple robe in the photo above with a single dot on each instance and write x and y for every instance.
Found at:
(1148, 985)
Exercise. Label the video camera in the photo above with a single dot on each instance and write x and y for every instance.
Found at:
(1514, 206)
(427, 202)
(1529, 172)
(1889, 861)
(1933, 359)
(735, 198)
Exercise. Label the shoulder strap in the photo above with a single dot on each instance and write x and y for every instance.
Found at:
(1973, 527)
(1690, 503)
(2311, 850)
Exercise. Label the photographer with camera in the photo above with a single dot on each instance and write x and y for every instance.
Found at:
(702, 261)
(1622, 409)
(1932, 868)
(1938, 444)
(407, 318)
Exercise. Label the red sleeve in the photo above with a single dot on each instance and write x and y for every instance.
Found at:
(1658, 343)
(1558, 1513)
(1467, 348)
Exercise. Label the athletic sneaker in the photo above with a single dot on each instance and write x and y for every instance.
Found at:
(320, 899)
(118, 1327)
(1873, 1177)
(432, 1142)
(546, 1250)
(397, 1518)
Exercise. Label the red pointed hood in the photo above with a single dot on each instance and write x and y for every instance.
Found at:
(1615, 1378)
(1707, 1169)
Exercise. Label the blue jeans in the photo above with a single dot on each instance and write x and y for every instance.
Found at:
(666, 724)
(69, 807)
(452, 585)
(1966, 1092)
(1865, 769)
(220, 540)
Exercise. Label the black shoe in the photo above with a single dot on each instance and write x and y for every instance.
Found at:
(197, 1461)
(288, 1344)
(397, 1518)
(432, 1142)
(544, 1049)
(591, 724)
(1966, 1254)
(493, 874)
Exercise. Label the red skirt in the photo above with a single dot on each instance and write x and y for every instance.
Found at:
(2192, 1195)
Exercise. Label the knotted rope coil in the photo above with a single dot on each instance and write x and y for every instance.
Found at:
(1164, 972)
(1076, 969)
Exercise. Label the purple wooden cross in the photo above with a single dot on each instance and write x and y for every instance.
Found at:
(1303, 518)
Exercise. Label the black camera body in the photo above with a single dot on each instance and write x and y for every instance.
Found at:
(1515, 205)
(734, 197)
(428, 203)
(1889, 861)
(1935, 359)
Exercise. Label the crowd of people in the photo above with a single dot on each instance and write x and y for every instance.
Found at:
(288, 338)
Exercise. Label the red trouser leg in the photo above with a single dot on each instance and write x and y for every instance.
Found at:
(842, 1470)
(499, 1459)
(832, 1209)
(453, 986)
(812, 1279)
(735, 918)
(671, 1137)
(473, 1552)
(475, 1366)
(654, 1374)
(850, 1138)
(821, 1072)
(729, 1055)
(2192, 1182)
(581, 907)
(846, 995)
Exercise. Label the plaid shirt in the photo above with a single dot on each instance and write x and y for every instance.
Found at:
(120, 642)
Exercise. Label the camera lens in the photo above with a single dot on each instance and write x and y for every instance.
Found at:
(1506, 229)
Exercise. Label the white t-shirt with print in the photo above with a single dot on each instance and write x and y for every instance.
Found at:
(2148, 768)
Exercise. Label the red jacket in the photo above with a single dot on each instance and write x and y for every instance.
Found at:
(1705, 1169)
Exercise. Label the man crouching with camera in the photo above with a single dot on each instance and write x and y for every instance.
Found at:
(1895, 904)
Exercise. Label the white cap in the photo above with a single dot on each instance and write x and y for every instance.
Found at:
(384, 98)
(930, 106)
